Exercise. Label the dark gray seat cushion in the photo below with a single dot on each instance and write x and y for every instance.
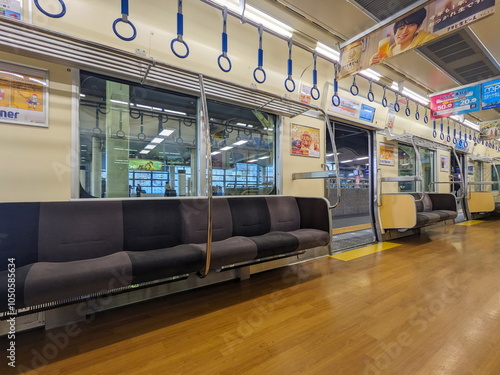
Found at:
(275, 243)
(55, 281)
(163, 263)
(309, 238)
(231, 251)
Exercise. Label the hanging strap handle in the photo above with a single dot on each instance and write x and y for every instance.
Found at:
(335, 96)
(354, 88)
(384, 98)
(223, 55)
(180, 33)
(434, 132)
(124, 19)
(260, 61)
(370, 95)
(315, 94)
(289, 82)
(52, 15)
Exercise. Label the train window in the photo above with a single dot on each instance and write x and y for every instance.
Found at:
(142, 141)
(407, 167)
(135, 140)
(242, 142)
(495, 175)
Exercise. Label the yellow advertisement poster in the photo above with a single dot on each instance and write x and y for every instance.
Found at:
(386, 154)
(23, 95)
(305, 141)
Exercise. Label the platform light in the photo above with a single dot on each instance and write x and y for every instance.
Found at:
(174, 112)
(326, 51)
(150, 147)
(371, 74)
(118, 102)
(215, 153)
(144, 152)
(363, 158)
(252, 161)
(264, 157)
(226, 148)
(258, 17)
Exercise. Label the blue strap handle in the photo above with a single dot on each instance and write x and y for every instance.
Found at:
(52, 15)
(180, 34)
(223, 56)
(289, 82)
(260, 59)
(124, 19)
(434, 132)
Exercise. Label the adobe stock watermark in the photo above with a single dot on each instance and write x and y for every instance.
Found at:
(418, 323)
(59, 341)
(11, 310)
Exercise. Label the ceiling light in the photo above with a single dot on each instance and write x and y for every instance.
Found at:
(166, 132)
(363, 158)
(371, 74)
(149, 147)
(157, 140)
(118, 102)
(326, 51)
(471, 125)
(215, 153)
(413, 95)
(258, 17)
(144, 152)
(264, 157)
(347, 161)
(252, 161)
(226, 148)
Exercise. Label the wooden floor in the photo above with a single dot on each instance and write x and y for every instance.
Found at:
(428, 307)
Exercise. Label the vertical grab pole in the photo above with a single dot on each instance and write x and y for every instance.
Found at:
(206, 131)
(335, 156)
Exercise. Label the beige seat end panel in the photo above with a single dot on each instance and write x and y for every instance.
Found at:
(398, 211)
(483, 201)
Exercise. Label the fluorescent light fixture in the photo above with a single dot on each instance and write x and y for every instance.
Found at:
(157, 140)
(252, 161)
(166, 132)
(259, 17)
(363, 158)
(264, 157)
(82, 95)
(330, 154)
(175, 112)
(157, 109)
(149, 147)
(239, 143)
(371, 74)
(346, 161)
(413, 95)
(118, 102)
(215, 153)
(470, 124)
(326, 51)
(226, 148)
(144, 152)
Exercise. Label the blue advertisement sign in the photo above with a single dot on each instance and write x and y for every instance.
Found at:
(491, 94)
(367, 113)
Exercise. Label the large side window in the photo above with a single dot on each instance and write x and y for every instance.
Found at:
(134, 140)
(407, 167)
(242, 142)
(138, 141)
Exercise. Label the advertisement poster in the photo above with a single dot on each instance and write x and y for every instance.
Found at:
(489, 130)
(23, 95)
(456, 102)
(305, 94)
(305, 141)
(11, 9)
(346, 107)
(144, 165)
(386, 154)
(415, 29)
(490, 94)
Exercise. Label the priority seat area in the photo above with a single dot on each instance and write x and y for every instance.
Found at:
(65, 251)
(416, 210)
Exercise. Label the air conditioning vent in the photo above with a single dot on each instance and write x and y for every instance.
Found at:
(382, 9)
(462, 56)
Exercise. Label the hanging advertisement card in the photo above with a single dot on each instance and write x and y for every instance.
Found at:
(411, 31)
(347, 107)
(457, 102)
(305, 141)
(23, 95)
(489, 130)
(11, 9)
(490, 94)
(386, 154)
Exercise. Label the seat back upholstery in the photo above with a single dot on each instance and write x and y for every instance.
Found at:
(194, 220)
(423, 204)
(151, 224)
(250, 216)
(78, 230)
(18, 233)
(284, 213)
